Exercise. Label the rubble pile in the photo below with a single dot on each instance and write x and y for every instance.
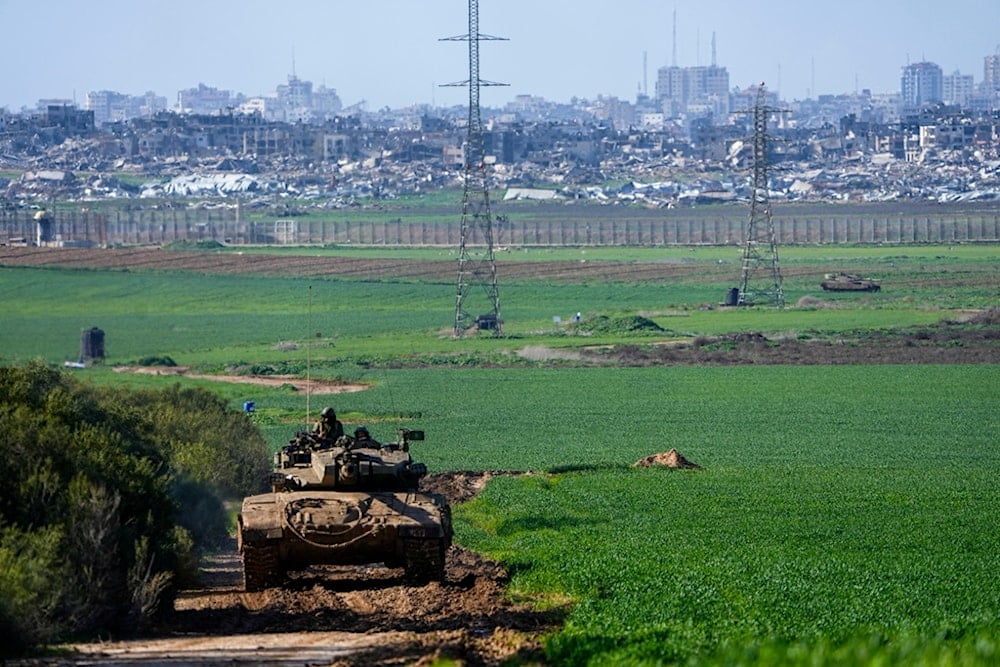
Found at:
(569, 160)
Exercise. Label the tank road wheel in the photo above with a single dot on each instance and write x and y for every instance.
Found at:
(424, 560)
(261, 567)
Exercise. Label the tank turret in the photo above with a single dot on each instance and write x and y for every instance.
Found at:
(845, 282)
(351, 463)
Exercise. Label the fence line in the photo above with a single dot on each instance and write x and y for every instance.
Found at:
(167, 226)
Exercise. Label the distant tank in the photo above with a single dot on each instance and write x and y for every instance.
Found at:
(845, 282)
(354, 502)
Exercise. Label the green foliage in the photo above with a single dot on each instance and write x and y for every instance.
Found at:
(156, 360)
(30, 590)
(628, 324)
(866, 649)
(206, 441)
(100, 485)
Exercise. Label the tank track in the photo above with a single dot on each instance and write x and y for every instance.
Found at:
(424, 559)
(261, 567)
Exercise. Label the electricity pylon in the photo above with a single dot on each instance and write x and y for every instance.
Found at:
(760, 277)
(476, 267)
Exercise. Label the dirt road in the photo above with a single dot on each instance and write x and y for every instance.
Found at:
(341, 616)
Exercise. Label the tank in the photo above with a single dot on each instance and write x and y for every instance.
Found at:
(355, 502)
(845, 282)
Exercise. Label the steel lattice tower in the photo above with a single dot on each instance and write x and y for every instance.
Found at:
(760, 278)
(474, 268)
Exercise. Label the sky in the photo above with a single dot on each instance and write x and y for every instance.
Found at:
(390, 53)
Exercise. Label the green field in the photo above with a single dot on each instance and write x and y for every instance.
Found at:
(202, 321)
(846, 503)
(845, 514)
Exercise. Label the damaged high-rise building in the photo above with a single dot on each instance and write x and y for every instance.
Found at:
(693, 91)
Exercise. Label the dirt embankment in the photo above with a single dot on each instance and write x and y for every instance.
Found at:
(975, 340)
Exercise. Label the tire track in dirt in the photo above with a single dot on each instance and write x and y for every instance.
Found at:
(342, 616)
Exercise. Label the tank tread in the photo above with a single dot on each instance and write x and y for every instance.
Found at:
(424, 559)
(261, 567)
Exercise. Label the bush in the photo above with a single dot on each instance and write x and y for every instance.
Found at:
(632, 324)
(156, 360)
(110, 493)
(30, 587)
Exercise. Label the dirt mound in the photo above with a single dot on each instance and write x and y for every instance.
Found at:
(671, 459)
(990, 316)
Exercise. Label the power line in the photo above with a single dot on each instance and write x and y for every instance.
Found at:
(760, 275)
(476, 266)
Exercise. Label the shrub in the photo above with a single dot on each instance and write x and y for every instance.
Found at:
(109, 493)
(632, 324)
(163, 360)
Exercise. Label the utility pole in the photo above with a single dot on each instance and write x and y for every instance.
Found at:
(473, 267)
(760, 278)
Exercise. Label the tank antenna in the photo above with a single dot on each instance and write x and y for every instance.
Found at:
(308, 356)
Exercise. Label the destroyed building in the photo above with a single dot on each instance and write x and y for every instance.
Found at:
(940, 152)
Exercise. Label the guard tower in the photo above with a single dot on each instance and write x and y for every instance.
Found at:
(92, 345)
(476, 259)
(760, 277)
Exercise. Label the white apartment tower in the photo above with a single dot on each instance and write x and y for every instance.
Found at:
(693, 90)
(922, 83)
(957, 88)
(991, 72)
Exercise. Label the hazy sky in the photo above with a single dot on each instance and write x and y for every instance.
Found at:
(389, 53)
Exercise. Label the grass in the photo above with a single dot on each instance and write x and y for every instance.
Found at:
(841, 506)
(822, 517)
(679, 564)
(846, 514)
(215, 320)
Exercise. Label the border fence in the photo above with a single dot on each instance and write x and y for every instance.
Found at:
(160, 227)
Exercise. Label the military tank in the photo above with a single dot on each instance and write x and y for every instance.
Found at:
(353, 502)
(845, 282)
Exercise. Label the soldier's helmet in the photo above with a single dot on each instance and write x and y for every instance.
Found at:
(328, 413)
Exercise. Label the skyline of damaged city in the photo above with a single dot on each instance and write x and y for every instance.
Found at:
(557, 50)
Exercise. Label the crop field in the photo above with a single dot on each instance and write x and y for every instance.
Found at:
(843, 514)
(847, 504)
